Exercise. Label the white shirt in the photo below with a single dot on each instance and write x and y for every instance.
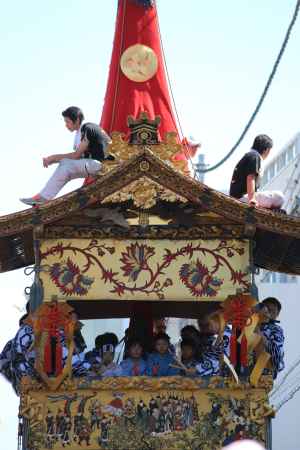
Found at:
(77, 139)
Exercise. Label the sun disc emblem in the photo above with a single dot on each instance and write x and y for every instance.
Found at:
(139, 63)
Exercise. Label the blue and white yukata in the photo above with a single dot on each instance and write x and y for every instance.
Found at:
(189, 365)
(93, 361)
(5, 362)
(80, 366)
(209, 362)
(93, 358)
(160, 365)
(23, 354)
(274, 336)
(131, 368)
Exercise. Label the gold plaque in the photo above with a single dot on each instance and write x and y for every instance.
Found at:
(139, 63)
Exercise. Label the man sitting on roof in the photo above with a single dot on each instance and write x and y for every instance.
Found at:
(90, 145)
(245, 178)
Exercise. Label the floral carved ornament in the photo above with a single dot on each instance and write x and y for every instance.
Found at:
(134, 268)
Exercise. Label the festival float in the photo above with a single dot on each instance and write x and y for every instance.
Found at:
(145, 240)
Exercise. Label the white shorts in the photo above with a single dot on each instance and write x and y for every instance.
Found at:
(267, 199)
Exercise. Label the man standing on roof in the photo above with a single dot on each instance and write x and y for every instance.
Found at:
(90, 145)
(246, 175)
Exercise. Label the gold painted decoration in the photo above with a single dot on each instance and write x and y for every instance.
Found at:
(122, 150)
(139, 63)
(144, 193)
(53, 321)
(144, 270)
(165, 414)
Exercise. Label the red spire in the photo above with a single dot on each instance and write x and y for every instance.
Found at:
(136, 25)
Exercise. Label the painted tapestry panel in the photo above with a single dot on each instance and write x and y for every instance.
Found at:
(164, 418)
(144, 269)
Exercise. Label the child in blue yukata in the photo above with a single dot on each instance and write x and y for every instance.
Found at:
(161, 362)
(104, 364)
(134, 364)
(188, 353)
(188, 358)
(272, 333)
(190, 332)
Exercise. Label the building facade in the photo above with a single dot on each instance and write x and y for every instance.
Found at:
(283, 173)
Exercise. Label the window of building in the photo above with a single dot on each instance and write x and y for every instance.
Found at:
(281, 161)
(272, 171)
(283, 278)
(265, 178)
(293, 279)
(266, 277)
(290, 153)
(274, 277)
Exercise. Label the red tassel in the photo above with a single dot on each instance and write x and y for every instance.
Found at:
(155, 370)
(47, 356)
(58, 358)
(135, 370)
(244, 352)
(233, 348)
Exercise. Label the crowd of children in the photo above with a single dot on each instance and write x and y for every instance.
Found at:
(199, 353)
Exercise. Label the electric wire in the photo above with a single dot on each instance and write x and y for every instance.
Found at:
(263, 95)
(286, 387)
(285, 377)
(288, 398)
(259, 104)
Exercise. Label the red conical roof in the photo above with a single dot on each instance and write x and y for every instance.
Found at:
(136, 24)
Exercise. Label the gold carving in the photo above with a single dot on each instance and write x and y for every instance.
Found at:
(149, 384)
(51, 317)
(123, 151)
(205, 231)
(144, 193)
(144, 166)
(21, 224)
(139, 63)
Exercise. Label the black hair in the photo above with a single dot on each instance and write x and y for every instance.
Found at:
(162, 336)
(188, 328)
(188, 343)
(261, 143)
(73, 113)
(273, 300)
(106, 338)
(24, 317)
(133, 341)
